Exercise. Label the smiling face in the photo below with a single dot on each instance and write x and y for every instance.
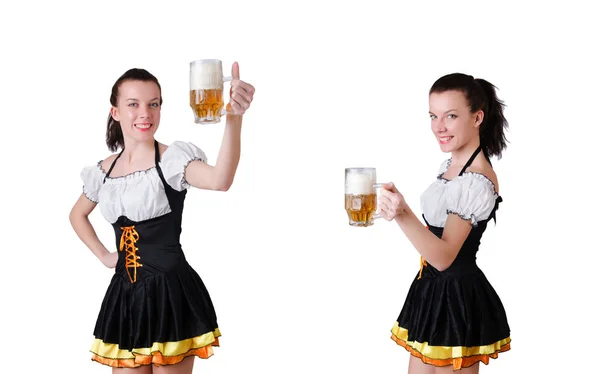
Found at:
(138, 110)
(452, 122)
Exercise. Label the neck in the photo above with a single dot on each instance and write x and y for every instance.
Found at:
(462, 155)
(135, 150)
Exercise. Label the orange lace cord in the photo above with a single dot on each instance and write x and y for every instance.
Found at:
(128, 239)
(423, 262)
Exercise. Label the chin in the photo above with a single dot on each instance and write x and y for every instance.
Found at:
(143, 138)
(146, 134)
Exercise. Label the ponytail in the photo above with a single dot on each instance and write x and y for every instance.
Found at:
(491, 131)
(114, 134)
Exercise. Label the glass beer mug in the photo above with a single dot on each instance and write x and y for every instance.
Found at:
(206, 90)
(361, 196)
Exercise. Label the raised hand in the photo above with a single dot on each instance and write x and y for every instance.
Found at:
(241, 93)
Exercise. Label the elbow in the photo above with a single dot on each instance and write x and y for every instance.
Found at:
(223, 186)
(442, 266)
(444, 262)
(72, 216)
(76, 216)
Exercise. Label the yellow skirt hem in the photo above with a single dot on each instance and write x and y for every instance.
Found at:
(457, 357)
(160, 354)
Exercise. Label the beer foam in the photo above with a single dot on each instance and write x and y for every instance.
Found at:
(207, 75)
(359, 184)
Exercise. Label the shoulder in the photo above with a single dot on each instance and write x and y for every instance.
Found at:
(92, 176)
(471, 184)
(93, 172)
(105, 164)
(179, 150)
(176, 158)
(443, 167)
(471, 196)
(485, 173)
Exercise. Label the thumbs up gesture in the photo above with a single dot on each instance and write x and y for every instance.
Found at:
(241, 93)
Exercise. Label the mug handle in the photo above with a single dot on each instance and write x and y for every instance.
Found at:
(224, 111)
(377, 185)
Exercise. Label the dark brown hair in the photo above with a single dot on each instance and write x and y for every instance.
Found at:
(114, 134)
(481, 95)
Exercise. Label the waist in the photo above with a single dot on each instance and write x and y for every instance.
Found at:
(146, 262)
(140, 256)
(461, 266)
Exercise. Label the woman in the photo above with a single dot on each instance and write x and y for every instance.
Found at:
(156, 314)
(452, 318)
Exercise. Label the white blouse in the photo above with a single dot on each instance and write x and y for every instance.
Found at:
(472, 196)
(140, 195)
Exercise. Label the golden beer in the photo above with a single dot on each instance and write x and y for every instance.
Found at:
(207, 103)
(360, 199)
(206, 90)
(361, 209)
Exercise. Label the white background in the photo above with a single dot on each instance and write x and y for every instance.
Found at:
(339, 84)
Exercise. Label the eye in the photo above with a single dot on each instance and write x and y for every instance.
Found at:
(154, 105)
(432, 116)
(452, 116)
(132, 104)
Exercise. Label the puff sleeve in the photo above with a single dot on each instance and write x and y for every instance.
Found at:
(472, 197)
(174, 161)
(92, 177)
(443, 168)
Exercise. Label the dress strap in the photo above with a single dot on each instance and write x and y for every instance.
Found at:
(157, 163)
(487, 157)
(156, 154)
(168, 188)
(113, 165)
(470, 160)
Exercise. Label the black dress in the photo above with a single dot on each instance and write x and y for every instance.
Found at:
(156, 310)
(454, 317)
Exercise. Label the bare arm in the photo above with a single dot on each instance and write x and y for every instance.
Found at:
(440, 253)
(84, 230)
(219, 177)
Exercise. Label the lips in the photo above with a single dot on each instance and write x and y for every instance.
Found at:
(445, 139)
(143, 126)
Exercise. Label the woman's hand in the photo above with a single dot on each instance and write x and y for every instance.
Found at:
(391, 202)
(109, 259)
(241, 93)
